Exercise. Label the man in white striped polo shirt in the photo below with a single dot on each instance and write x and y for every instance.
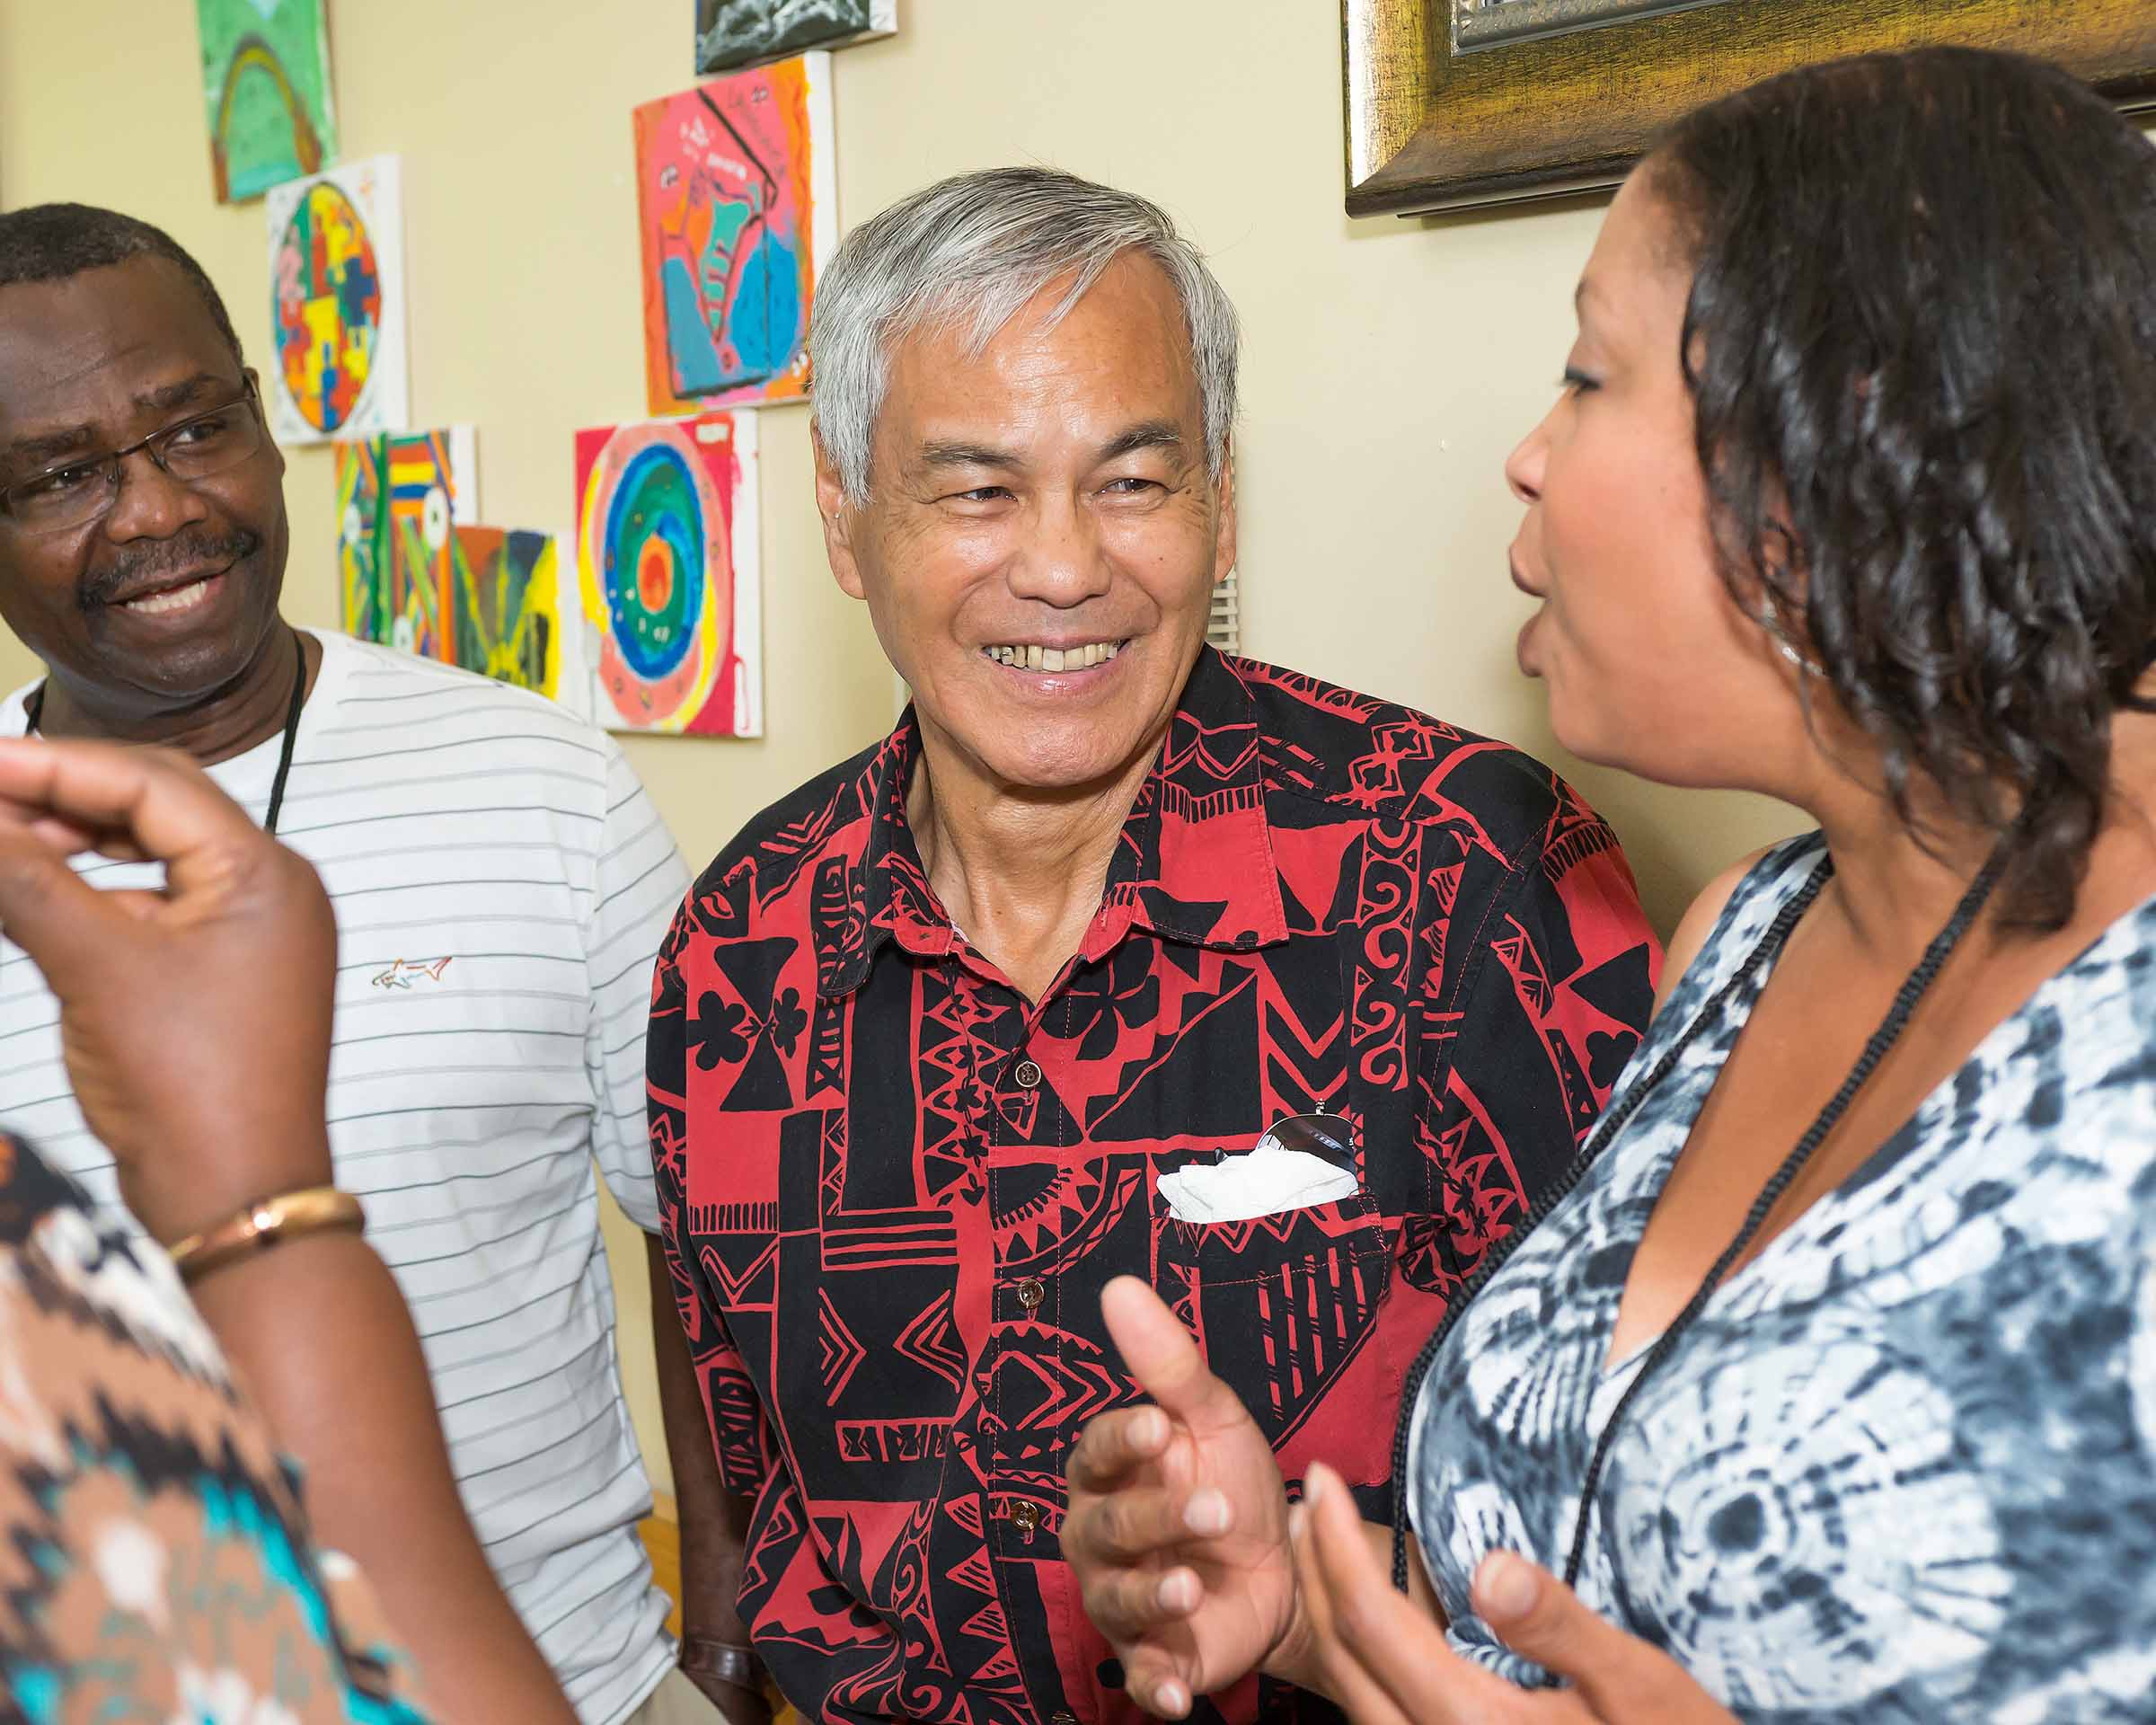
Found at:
(501, 884)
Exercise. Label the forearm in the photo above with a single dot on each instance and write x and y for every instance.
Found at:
(319, 1335)
(714, 1521)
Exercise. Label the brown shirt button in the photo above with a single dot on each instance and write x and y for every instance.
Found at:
(1032, 1292)
(1025, 1517)
(1062, 1716)
(1027, 1075)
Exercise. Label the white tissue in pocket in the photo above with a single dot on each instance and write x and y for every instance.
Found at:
(1263, 1182)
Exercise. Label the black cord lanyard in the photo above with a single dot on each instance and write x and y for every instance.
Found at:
(34, 709)
(1913, 988)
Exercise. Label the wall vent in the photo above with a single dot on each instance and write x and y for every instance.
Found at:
(1223, 629)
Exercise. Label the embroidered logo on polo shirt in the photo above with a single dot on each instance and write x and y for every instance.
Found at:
(404, 972)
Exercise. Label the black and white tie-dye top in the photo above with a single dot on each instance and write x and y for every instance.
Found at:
(1903, 1465)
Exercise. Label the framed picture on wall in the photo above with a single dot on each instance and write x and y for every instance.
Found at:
(1453, 104)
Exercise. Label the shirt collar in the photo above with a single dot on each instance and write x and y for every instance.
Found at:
(1194, 862)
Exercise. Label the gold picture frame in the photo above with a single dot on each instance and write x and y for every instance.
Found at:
(1541, 98)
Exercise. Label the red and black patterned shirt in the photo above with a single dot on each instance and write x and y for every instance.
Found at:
(893, 1187)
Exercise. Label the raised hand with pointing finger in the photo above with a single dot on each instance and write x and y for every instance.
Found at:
(1384, 1657)
(1193, 1565)
(1178, 1520)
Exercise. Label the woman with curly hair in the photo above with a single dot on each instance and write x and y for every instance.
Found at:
(1828, 1389)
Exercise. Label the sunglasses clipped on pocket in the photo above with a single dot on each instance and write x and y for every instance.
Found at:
(1328, 1136)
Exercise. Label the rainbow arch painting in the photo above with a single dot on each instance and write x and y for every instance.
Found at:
(265, 89)
(737, 205)
(668, 576)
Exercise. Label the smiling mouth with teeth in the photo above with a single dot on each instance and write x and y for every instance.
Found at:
(172, 598)
(1056, 658)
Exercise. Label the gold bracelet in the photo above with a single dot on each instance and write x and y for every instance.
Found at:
(265, 1223)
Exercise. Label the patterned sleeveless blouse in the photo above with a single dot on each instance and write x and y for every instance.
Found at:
(155, 1560)
(1903, 1465)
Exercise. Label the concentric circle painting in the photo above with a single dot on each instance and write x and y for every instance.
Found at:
(666, 565)
(336, 303)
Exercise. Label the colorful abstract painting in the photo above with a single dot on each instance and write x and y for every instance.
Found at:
(667, 570)
(731, 33)
(398, 498)
(735, 201)
(362, 560)
(337, 304)
(266, 82)
(506, 615)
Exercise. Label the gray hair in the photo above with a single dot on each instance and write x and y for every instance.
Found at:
(965, 254)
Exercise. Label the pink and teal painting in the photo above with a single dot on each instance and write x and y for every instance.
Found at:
(736, 206)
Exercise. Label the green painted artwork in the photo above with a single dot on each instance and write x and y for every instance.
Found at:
(266, 83)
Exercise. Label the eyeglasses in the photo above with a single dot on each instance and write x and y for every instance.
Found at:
(77, 492)
(1329, 1137)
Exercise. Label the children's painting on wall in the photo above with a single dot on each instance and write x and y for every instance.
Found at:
(362, 605)
(731, 33)
(266, 81)
(416, 570)
(337, 304)
(667, 569)
(506, 615)
(398, 498)
(737, 206)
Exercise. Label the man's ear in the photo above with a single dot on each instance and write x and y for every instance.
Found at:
(1224, 535)
(831, 504)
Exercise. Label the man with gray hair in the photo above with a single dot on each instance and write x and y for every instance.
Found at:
(1116, 956)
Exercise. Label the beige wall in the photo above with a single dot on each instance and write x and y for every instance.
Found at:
(1390, 363)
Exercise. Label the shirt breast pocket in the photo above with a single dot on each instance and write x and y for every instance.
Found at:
(1286, 1309)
